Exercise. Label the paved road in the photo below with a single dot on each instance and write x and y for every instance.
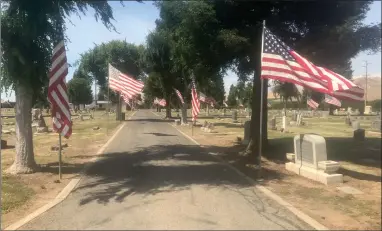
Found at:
(152, 177)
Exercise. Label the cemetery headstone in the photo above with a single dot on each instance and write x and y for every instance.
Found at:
(224, 111)
(294, 115)
(273, 123)
(335, 112)
(234, 116)
(284, 122)
(376, 125)
(359, 134)
(356, 125)
(41, 125)
(368, 110)
(247, 128)
(310, 160)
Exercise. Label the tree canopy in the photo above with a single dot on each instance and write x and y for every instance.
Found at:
(79, 91)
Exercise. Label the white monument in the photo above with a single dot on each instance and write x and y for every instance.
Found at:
(368, 110)
(310, 160)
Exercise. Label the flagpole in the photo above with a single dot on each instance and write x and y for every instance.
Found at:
(261, 103)
(59, 156)
(108, 107)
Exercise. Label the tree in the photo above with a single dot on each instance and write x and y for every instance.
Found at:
(79, 91)
(233, 30)
(28, 36)
(231, 99)
(126, 57)
(286, 91)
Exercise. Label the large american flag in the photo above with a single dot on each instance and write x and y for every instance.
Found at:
(332, 100)
(202, 97)
(313, 104)
(179, 95)
(57, 92)
(124, 84)
(194, 101)
(280, 62)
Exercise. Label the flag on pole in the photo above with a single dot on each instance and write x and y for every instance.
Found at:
(57, 92)
(332, 100)
(280, 62)
(194, 101)
(124, 84)
(179, 95)
(313, 104)
(161, 102)
(202, 97)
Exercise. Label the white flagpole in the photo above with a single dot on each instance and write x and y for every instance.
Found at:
(59, 156)
(261, 101)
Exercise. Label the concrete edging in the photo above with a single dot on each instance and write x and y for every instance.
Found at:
(298, 213)
(68, 188)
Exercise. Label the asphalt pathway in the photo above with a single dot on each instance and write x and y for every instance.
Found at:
(152, 177)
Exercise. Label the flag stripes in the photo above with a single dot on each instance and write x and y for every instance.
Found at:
(179, 95)
(280, 62)
(332, 100)
(313, 104)
(194, 101)
(123, 83)
(57, 92)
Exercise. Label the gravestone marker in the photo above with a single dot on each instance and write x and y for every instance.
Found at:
(356, 125)
(273, 123)
(234, 116)
(294, 115)
(376, 125)
(310, 160)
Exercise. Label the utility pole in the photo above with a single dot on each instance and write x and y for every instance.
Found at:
(365, 66)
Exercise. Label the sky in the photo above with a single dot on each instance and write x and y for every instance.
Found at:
(135, 20)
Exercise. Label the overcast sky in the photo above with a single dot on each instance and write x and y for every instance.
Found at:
(136, 20)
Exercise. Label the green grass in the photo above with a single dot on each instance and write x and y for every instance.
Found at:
(13, 193)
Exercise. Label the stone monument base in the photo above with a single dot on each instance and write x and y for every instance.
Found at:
(314, 174)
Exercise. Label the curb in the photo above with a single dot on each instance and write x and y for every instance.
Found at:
(298, 213)
(68, 188)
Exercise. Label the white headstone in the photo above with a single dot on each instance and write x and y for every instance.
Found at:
(309, 149)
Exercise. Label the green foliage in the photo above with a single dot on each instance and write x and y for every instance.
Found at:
(79, 91)
(231, 99)
(375, 104)
(29, 31)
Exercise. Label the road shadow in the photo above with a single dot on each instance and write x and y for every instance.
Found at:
(146, 120)
(66, 168)
(338, 149)
(158, 134)
(153, 170)
(7, 147)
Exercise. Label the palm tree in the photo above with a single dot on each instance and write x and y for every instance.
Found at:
(286, 91)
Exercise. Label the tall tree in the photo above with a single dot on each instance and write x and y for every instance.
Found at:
(79, 91)
(232, 96)
(28, 34)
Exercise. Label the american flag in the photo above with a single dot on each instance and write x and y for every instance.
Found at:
(332, 100)
(194, 101)
(126, 99)
(211, 101)
(202, 97)
(124, 84)
(280, 62)
(161, 102)
(57, 92)
(313, 104)
(179, 95)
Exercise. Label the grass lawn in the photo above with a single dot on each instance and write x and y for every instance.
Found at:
(24, 193)
(360, 165)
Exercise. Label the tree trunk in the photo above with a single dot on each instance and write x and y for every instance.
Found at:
(184, 114)
(24, 159)
(208, 109)
(168, 107)
(264, 128)
(252, 148)
(118, 110)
